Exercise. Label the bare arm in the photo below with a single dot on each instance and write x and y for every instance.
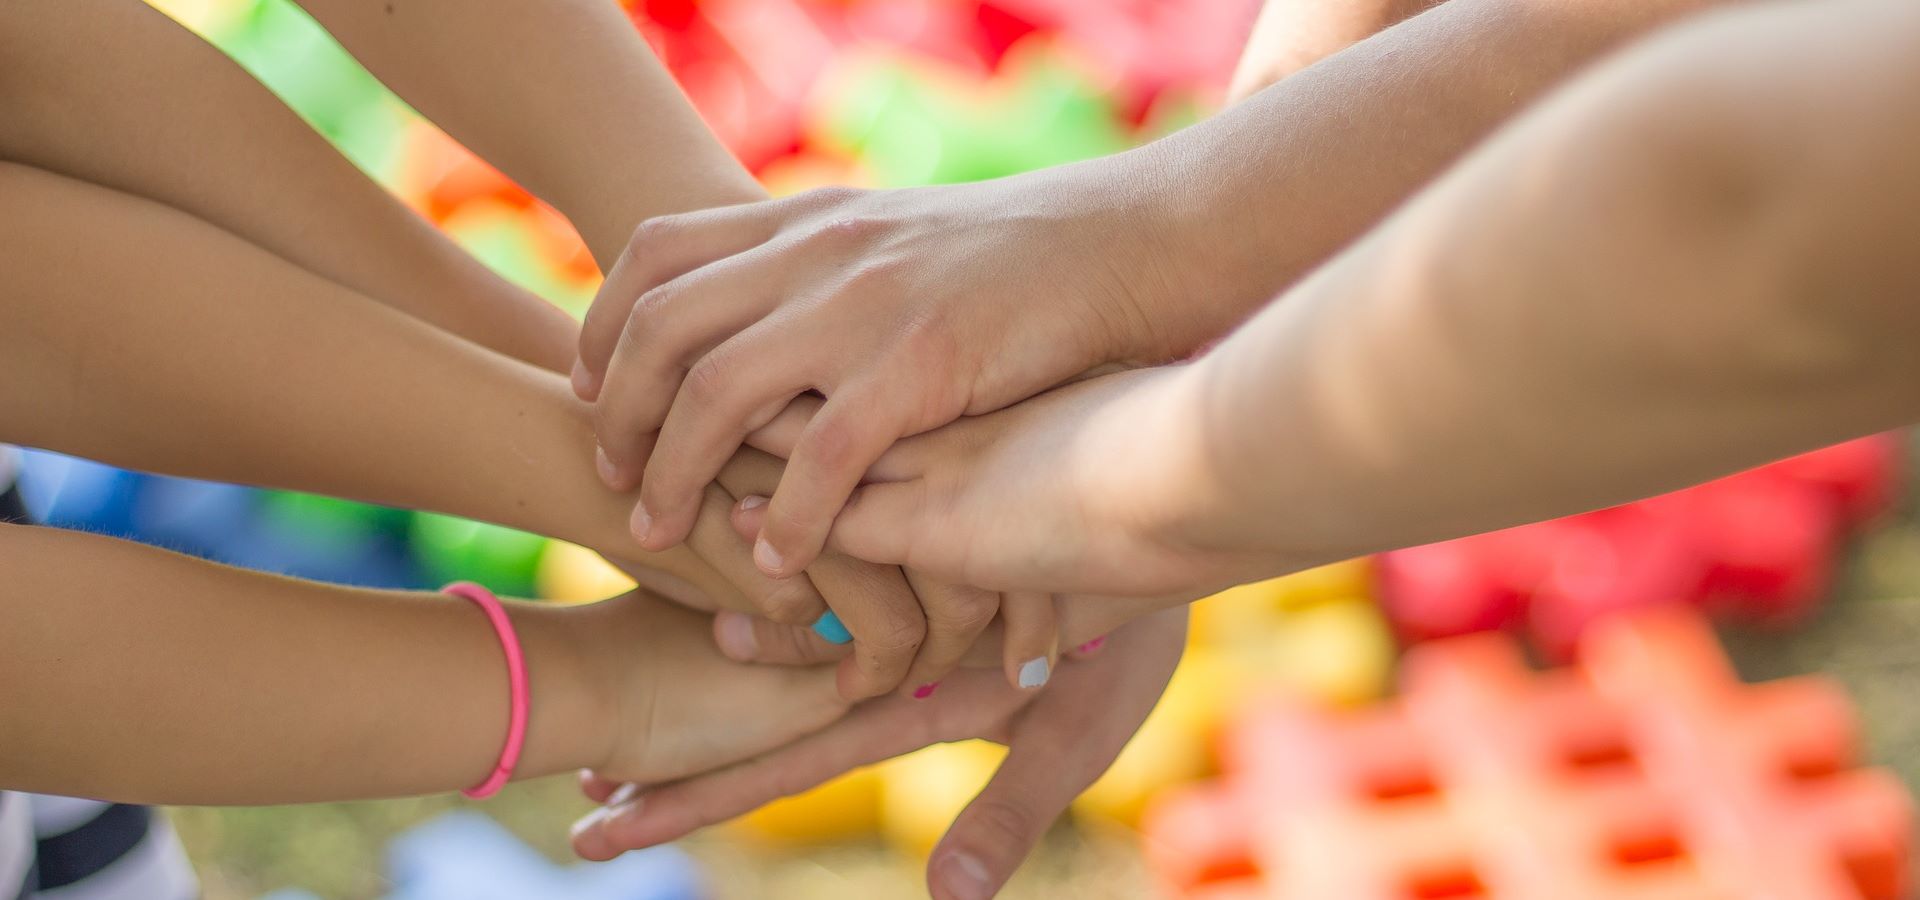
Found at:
(1694, 261)
(143, 337)
(139, 675)
(167, 117)
(562, 95)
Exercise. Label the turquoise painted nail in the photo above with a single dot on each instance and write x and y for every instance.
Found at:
(828, 626)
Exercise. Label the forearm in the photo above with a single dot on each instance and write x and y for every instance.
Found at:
(208, 151)
(138, 675)
(123, 346)
(583, 115)
(1653, 280)
(1260, 194)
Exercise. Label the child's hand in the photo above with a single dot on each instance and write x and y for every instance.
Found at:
(1102, 487)
(905, 308)
(1059, 741)
(677, 706)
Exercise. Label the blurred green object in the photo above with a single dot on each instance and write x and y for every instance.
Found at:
(502, 559)
(913, 123)
(337, 523)
(502, 238)
(297, 60)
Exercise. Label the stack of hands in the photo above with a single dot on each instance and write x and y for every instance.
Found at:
(894, 467)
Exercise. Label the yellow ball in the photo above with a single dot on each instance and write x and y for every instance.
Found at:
(924, 790)
(572, 574)
(846, 808)
(1340, 653)
(1246, 613)
(1174, 746)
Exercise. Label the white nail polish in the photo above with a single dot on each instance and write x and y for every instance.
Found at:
(588, 821)
(1034, 672)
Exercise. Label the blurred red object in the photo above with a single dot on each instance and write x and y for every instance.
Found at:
(1650, 771)
(1758, 547)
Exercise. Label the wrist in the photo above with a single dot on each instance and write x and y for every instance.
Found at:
(1188, 265)
(572, 712)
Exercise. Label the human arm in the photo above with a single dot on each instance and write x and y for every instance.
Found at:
(1689, 263)
(144, 676)
(562, 95)
(227, 151)
(909, 308)
(1059, 740)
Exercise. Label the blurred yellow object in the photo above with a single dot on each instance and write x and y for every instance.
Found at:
(846, 808)
(924, 790)
(574, 574)
(1249, 612)
(201, 15)
(1174, 745)
(1337, 652)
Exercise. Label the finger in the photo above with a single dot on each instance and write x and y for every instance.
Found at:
(597, 788)
(881, 522)
(660, 250)
(1061, 746)
(880, 611)
(752, 639)
(670, 328)
(956, 617)
(1032, 641)
(787, 600)
(875, 731)
(728, 393)
(778, 436)
(844, 438)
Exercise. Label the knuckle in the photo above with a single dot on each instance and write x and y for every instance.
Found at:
(900, 634)
(830, 443)
(852, 229)
(649, 234)
(708, 378)
(964, 611)
(876, 277)
(831, 195)
(1002, 819)
(788, 604)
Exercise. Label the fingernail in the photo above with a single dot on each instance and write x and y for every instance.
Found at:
(828, 626)
(767, 558)
(622, 794)
(752, 501)
(609, 476)
(965, 878)
(735, 633)
(1091, 645)
(1034, 672)
(589, 821)
(926, 690)
(642, 522)
(582, 380)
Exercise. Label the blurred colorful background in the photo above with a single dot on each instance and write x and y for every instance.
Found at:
(1282, 763)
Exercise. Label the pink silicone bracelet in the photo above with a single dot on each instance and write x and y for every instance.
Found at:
(516, 686)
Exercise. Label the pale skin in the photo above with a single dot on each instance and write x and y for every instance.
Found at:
(331, 387)
(634, 150)
(909, 308)
(1690, 262)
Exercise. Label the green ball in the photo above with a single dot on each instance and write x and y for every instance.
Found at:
(451, 549)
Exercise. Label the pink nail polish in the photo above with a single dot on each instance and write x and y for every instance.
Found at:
(1091, 645)
(926, 690)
